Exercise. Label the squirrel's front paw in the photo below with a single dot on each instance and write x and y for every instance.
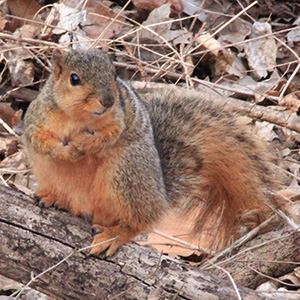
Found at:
(44, 199)
(68, 152)
(84, 141)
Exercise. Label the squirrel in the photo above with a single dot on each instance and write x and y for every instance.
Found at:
(99, 149)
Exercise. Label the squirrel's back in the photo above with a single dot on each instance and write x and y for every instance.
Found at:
(210, 164)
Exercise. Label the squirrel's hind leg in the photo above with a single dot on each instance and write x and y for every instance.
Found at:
(112, 238)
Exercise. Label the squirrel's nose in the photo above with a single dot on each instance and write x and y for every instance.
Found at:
(107, 100)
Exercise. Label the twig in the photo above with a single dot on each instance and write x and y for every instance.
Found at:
(176, 295)
(272, 278)
(7, 128)
(182, 242)
(222, 27)
(280, 292)
(287, 219)
(234, 257)
(29, 40)
(12, 171)
(287, 172)
(230, 278)
(246, 41)
(3, 180)
(238, 243)
(248, 92)
(152, 70)
(96, 41)
(169, 244)
(37, 59)
(34, 278)
(148, 28)
(290, 80)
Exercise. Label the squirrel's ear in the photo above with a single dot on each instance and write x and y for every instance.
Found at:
(58, 59)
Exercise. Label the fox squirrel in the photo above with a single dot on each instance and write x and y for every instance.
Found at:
(99, 149)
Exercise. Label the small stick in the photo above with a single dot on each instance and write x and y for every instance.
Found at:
(182, 242)
(250, 235)
(7, 128)
(231, 279)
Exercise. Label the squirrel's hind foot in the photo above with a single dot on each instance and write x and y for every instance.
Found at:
(111, 239)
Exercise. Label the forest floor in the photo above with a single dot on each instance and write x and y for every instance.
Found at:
(245, 50)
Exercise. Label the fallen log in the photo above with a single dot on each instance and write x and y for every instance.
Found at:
(35, 239)
(269, 255)
(251, 110)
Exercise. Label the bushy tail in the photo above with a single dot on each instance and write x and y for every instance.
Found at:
(234, 178)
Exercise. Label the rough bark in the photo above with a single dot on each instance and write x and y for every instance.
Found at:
(33, 239)
(277, 257)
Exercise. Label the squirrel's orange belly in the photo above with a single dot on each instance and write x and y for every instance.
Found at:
(78, 187)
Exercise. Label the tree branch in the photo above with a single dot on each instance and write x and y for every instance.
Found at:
(242, 107)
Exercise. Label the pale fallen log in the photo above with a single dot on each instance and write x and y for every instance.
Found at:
(251, 110)
(34, 239)
(272, 254)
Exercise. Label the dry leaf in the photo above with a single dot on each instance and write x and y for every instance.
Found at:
(7, 25)
(247, 85)
(8, 145)
(9, 116)
(293, 36)
(261, 52)
(68, 18)
(24, 9)
(209, 43)
(235, 32)
(158, 33)
(17, 161)
(222, 61)
(189, 65)
(269, 287)
(69, 22)
(293, 190)
(176, 5)
(90, 23)
(266, 131)
(159, 16)
(21, 70)
(99, 20)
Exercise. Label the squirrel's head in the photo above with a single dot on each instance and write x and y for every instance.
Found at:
(84, 83)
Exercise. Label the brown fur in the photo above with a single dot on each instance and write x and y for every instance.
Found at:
(99, 150)
(211, 165)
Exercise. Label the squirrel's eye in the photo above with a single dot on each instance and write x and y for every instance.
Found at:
(74, 79)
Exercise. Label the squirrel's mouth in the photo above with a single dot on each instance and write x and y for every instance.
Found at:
(99, 112)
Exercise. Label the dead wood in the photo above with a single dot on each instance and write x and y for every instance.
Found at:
(278, 255)
(24, 94)
(242, 107)
(34, 239)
